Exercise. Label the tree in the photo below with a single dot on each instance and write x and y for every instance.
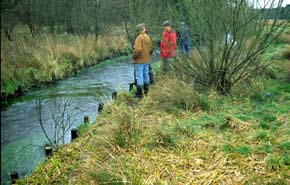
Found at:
(8, 17)
(232, 37)
(63, 115)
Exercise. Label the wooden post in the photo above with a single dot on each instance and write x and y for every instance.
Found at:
(86, 119)
(131, 86)
(101, 106)
(14, 176)
(48, 150)
(114, 95)
(74, 133)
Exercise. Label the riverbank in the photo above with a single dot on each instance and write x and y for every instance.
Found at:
(28, 62)
(180, 135)
(22, 141)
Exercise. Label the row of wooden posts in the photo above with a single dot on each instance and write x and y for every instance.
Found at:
(74, 134)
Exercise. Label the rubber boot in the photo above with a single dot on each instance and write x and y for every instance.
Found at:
(146, 88)
(139, 93)
(151, 76)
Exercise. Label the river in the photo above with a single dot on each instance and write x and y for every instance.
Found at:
(22, 140)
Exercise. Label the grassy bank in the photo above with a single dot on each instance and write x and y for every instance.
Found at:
(31, 61)
(179, 135)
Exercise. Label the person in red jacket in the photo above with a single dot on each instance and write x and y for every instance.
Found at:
(167, 46)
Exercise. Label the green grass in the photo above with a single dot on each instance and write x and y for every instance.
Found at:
(261, 135)
(285, 146)
(178, 134)
(243, 149)
(82, 128)
(274, 162)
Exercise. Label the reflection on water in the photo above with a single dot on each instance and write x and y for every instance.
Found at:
(21, 136)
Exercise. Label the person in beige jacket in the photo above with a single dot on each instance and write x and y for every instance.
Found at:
(141, 56)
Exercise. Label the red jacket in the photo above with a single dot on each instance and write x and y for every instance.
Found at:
(168, 44)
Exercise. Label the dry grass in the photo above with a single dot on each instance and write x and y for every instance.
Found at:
(175, 135)
(158, 148)
(44, 58)
(286, 68)
(285, 38)
(286, 53)
(173, 94)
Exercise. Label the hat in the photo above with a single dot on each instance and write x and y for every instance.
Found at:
(166, 23)
(139, 27)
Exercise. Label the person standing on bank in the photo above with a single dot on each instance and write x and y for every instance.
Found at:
(167, 46)
(141, 58)
(183, 38)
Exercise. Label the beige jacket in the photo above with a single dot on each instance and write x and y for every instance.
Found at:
(142, 49)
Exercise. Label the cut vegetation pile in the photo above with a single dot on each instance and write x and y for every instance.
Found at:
(178, 135)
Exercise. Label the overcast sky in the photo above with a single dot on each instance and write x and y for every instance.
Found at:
(266, 2)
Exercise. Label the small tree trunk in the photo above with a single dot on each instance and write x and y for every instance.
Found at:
(52, 29)
(32, 29)
(224, 85)
(8, 35)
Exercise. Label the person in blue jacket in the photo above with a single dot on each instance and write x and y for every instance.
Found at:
(183, 37)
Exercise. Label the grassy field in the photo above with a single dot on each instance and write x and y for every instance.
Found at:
(179, 135)
(31, 61)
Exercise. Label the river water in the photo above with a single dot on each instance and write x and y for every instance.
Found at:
(22, 140)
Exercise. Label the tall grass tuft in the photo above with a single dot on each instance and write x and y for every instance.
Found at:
(286, 68)
(285, 38)
(127, 130)
(173, 94)
(261, 135)
(286, 53)
(274, 162)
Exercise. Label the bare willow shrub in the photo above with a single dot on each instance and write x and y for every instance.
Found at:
(229, 36)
